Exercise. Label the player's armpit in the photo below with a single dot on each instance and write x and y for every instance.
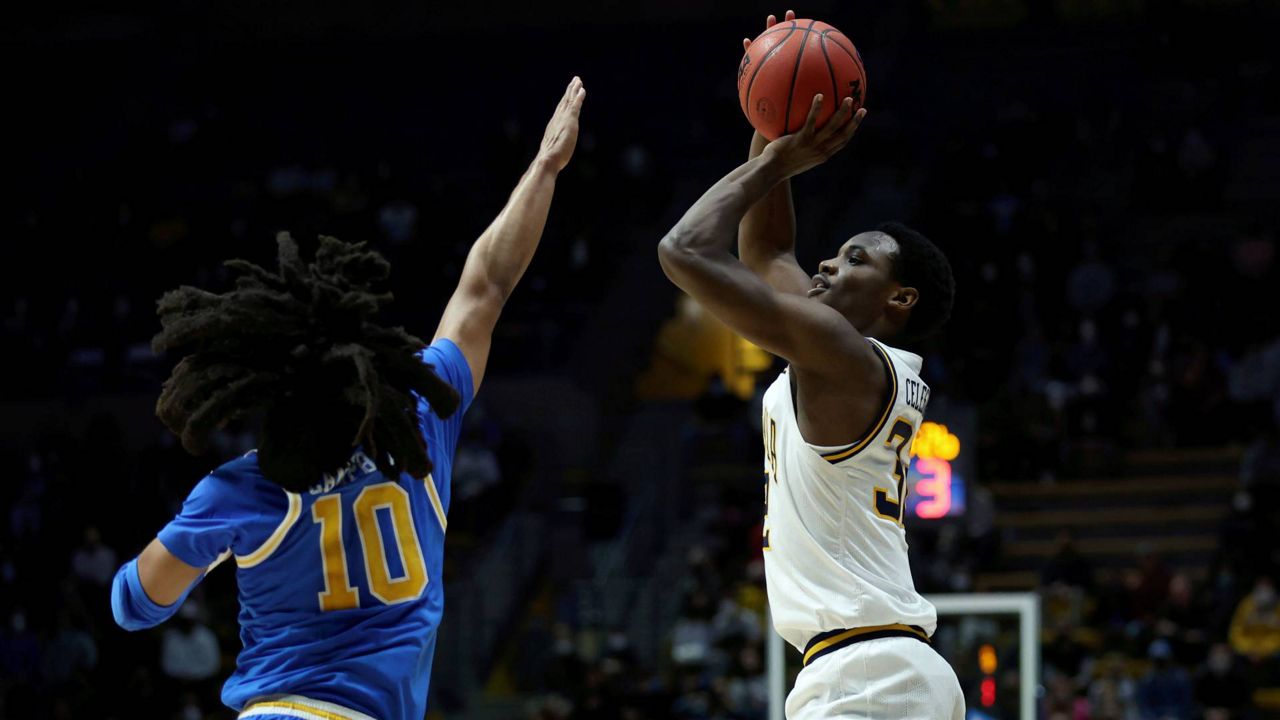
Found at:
(808, 334)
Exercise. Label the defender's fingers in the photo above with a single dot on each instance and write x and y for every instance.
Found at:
(568, 93)
(575, 88)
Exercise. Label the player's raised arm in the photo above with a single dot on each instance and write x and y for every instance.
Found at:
(767, 236)
(696, 255)
(767, 233)
(500, 256)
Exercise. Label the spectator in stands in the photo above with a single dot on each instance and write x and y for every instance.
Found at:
(1220, 683)
(733, 623)
(1062, 701)
(691, 638)
(191, 708)
(477, 474)
(1065, 582)
(1165, 691)
(93, 562)
(26, 518)
(189, 650)
(564, 671)
(1149, 584)
(1064, 655)
(71, 656)
(1255, 627)
(1112, 693)
(747, 692)
(19, 649)
(1182, 619)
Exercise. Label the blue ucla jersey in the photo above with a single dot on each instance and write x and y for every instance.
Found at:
(340, 592)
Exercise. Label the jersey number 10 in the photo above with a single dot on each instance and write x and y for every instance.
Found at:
(338, 592)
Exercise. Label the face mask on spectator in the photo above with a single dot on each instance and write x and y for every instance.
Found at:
(1264, 597)
(1219, 662)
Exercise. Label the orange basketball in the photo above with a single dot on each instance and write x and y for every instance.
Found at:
(790, 63)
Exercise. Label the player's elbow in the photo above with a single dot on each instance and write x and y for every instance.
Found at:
(122, 606)
(485, 294)
(129, 624)
(675, 252)
(131, 608)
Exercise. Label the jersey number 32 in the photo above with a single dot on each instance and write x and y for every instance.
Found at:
(885, 506)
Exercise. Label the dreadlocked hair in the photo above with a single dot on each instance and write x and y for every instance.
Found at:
(298, 345)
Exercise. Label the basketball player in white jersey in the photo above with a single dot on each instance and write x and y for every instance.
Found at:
(838, 424)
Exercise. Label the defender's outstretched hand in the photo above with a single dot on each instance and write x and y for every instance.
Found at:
(561, 136)
(809, 146)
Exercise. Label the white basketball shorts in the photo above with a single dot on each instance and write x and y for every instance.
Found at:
(891, 677)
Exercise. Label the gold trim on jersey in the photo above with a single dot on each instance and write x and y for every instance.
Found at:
(833, 640)
(847, 452)
(297, 706)
(436, 505)
(268, 547)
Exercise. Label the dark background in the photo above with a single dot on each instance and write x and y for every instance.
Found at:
(1102, 175)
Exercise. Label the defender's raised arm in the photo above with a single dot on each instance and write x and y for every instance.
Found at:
(500, 256)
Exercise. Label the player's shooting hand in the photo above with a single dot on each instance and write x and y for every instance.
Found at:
(810, 146)
(768, 23)
(561, 136)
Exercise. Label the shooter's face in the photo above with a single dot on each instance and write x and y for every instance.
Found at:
(858, 281)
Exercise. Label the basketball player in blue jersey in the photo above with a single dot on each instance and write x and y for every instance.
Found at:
(837, 424)
(336, 523)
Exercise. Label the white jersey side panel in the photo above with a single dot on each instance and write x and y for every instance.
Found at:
(835, 549)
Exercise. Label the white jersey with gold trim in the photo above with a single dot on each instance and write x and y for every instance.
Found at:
(835, 548)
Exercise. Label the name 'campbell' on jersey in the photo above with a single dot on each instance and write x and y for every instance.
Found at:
(835, 548)
(339, 586)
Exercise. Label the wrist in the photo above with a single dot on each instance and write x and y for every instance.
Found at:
(758, 144)
(544, 166)
(771, 167)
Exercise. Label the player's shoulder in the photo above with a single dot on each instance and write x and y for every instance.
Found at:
(899, 359)
(444, 355)
(241, 472)
(240, 481)
(447, 361)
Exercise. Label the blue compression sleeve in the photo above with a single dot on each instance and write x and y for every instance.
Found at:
(132, 609)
